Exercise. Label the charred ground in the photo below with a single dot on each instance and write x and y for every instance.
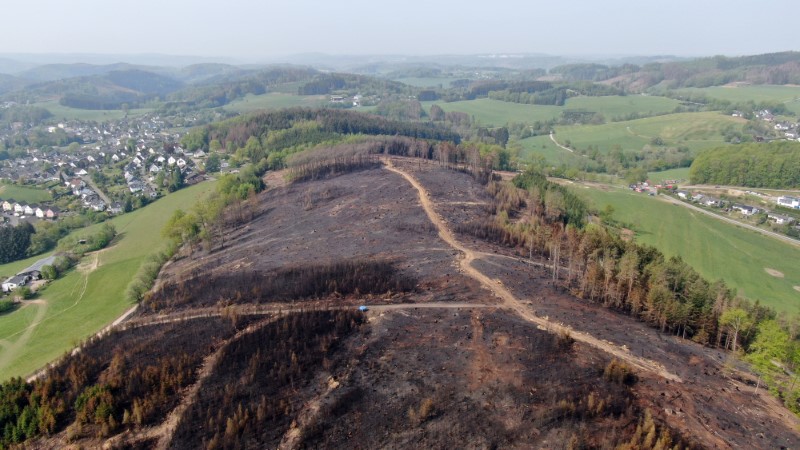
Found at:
(439, 361)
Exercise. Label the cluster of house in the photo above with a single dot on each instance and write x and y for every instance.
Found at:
(139, 144)
(746, 210)
(32, 273)
(790, 130)
(21, 209)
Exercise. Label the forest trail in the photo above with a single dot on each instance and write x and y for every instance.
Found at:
(511, 302)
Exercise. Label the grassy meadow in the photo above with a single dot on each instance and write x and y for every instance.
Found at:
(24, 193)
(790, 95)
(716, 249)
(494, 113)
(698, 131)
(88, 297)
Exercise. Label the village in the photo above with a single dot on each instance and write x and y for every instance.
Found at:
(105, 164)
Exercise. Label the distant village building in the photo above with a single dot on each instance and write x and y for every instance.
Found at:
(789, 202)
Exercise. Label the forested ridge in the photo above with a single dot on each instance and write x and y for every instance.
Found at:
(774, 165)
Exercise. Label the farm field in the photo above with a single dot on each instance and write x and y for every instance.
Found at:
(61, 112)
(274, 101)
(717, 250)
(24, 194)
(790, 95)
(88, 297)
(697, 131)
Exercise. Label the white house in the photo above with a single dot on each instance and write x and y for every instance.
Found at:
(789, 202)
(745, 209)
(780, 219)
(14, 282)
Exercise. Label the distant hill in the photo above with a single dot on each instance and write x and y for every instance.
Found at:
(10, 83)
(55, 72)
(11, 66)
(772, 68)
(108, 90)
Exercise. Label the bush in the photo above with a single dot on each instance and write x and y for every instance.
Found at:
(6, 306)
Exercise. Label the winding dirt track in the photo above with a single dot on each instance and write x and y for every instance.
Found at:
(511, 302)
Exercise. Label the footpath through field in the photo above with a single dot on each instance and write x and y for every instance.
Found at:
(511, 302)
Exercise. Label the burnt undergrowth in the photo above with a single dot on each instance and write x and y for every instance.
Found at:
(300, 282)
(253, 395)
(122, 381)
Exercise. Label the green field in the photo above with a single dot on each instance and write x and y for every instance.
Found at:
(274, 100)
(24, 193)
(494, 113)
(542, 145)
(717, 250)
(785, 94)
(697, 131)
(672, 174)
(89, 297)
(497, 113)
(61, 112)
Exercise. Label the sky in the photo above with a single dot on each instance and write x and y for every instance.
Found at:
(252, 30)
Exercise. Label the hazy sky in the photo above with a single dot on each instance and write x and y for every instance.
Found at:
(252, 29)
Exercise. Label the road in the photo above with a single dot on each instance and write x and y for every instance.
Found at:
(510, 301)
(88, 180)
(771, 234)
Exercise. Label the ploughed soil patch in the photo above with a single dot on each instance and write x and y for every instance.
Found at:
(372, 215)
(459, 378)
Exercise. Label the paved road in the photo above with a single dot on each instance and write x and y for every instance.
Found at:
(88, 180)
(771, 234)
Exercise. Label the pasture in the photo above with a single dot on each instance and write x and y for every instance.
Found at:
(89, 296)
(495, 113)
(24, 193)
(698, 131)
(790, 95)
(716, 249)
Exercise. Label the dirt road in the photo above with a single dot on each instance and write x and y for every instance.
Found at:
(511, 302)
(552, 138)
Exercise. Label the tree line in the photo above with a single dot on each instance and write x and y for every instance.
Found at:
(236, 132)
(595, 263)
(772, 165)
